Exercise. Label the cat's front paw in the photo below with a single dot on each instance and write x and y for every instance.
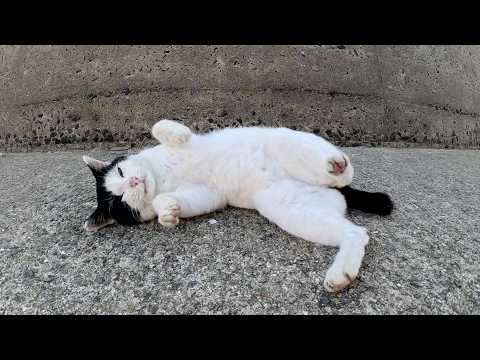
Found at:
(171, 133)
(168, 211)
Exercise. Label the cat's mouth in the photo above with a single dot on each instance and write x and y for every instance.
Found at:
(138, 187)
(134, 197)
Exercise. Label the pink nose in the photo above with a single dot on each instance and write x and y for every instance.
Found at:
(134, 181)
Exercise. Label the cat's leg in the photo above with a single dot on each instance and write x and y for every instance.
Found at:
(348, 260)
(186, 201)
(317, 214)
(171, 133)
(310, 158)
(315, 166)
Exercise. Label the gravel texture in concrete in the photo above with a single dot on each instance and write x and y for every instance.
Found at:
(423, 259)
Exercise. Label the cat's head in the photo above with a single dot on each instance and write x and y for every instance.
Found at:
(123, 189)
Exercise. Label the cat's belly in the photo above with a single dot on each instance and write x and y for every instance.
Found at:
(245, 202)
(240, 193)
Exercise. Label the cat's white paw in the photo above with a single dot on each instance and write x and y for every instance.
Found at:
(348, 261)
(171, 133)
(339, 276)
(168, 211)
(337, 164)
(341, 169)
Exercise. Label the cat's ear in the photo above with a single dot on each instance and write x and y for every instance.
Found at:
(98, 220)
(94, 164)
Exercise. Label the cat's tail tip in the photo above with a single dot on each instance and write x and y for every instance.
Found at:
(375, 203)
(382, 204)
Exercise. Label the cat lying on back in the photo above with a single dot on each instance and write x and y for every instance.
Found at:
(297, 180)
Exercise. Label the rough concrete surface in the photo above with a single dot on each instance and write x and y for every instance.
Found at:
(59, 95)
(424, 259)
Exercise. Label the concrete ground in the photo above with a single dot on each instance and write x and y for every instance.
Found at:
(424, 259)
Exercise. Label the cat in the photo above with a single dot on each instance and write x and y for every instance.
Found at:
(297, 180)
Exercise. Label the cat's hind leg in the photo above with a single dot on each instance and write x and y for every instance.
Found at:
(171, 133)
(348, 260)
(317, 214)
(310, 159)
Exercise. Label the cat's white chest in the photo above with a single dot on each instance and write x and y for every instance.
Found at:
(237, 172)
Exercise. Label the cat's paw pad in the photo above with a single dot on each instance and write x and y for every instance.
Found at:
(171, 133)
(337, 164)
(335, 282)
(338, 278)
(168, 211)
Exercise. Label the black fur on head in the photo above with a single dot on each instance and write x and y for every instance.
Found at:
(110, 207)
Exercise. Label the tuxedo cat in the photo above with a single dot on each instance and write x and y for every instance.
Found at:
(297, 180)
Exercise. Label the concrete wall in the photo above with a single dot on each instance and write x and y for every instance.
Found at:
(426, 95)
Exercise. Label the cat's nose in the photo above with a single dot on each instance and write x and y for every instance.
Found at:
(134, 181)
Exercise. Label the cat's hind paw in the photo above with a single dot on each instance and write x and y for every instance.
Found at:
(171, 133)
(336, 165)
(340, 170)
(338, 279)
(347, 264)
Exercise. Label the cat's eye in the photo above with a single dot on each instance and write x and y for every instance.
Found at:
(120, 172)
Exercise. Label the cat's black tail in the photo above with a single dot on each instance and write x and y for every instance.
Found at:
(375, 203)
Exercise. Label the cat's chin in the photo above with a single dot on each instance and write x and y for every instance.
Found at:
(135, 197)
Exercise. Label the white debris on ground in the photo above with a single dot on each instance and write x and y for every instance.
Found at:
(212, 221)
